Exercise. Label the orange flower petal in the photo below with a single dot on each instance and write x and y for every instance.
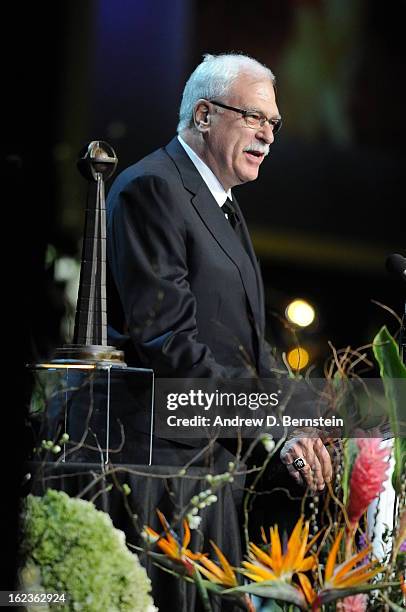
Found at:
(215, 574)
(302, 549)
(307, 588)
(151, 532)
(276, 549)
(228, 570)
(186, 537)
(253, 577)
(194, 556)
(347, 565)
(165, 525)
(168, 549)
(208, 574)
(162, 518)
(331, 559)
(212, 567)
(261, 555)
(293, 546)
(259, 571)
(357, 577)
(307, 564)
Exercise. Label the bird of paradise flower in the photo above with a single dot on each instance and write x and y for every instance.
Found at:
(273, 564)
(223, 574)
(274, 570)
(341, 578)
(220, 577)
(171, 545)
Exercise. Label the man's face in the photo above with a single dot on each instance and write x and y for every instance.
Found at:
(229, 139)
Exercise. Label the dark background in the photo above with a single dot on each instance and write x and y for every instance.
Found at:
(328, 206)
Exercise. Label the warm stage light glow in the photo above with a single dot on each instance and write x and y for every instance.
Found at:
(300, 313)
(298, 358)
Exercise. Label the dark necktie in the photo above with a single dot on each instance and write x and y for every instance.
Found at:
(234, 220)
(230, 213)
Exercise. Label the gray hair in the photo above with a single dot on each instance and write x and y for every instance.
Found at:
(213, 78)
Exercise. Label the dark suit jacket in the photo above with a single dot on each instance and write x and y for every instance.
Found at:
(191, 293)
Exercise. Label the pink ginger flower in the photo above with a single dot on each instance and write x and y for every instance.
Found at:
(354, 603)
(368, 476)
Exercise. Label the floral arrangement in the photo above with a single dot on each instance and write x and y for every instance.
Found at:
(333, 568)
(71, 547)
(292, 573)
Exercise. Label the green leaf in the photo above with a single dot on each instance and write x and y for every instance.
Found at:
(392, 372)
(329, 595)
(202, 590)
(350, 452)
(271, 606)
(272, 589)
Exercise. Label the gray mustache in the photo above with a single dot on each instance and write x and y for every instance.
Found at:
(259, 148)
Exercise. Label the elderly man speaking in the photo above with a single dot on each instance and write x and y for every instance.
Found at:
(179, 251)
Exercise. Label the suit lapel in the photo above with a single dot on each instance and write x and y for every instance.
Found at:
(255, 265)
(215, 221)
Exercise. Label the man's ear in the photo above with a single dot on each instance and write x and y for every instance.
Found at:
(201, 116)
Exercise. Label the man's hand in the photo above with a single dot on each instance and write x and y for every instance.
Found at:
(317, 469)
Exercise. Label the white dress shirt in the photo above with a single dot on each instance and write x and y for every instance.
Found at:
(216, 188)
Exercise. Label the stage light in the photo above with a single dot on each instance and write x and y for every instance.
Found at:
(300, 313)
(298, 358)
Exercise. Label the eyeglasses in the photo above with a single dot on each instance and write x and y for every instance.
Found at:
(252, 119)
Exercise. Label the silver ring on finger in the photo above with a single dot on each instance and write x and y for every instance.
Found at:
(299, 464)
